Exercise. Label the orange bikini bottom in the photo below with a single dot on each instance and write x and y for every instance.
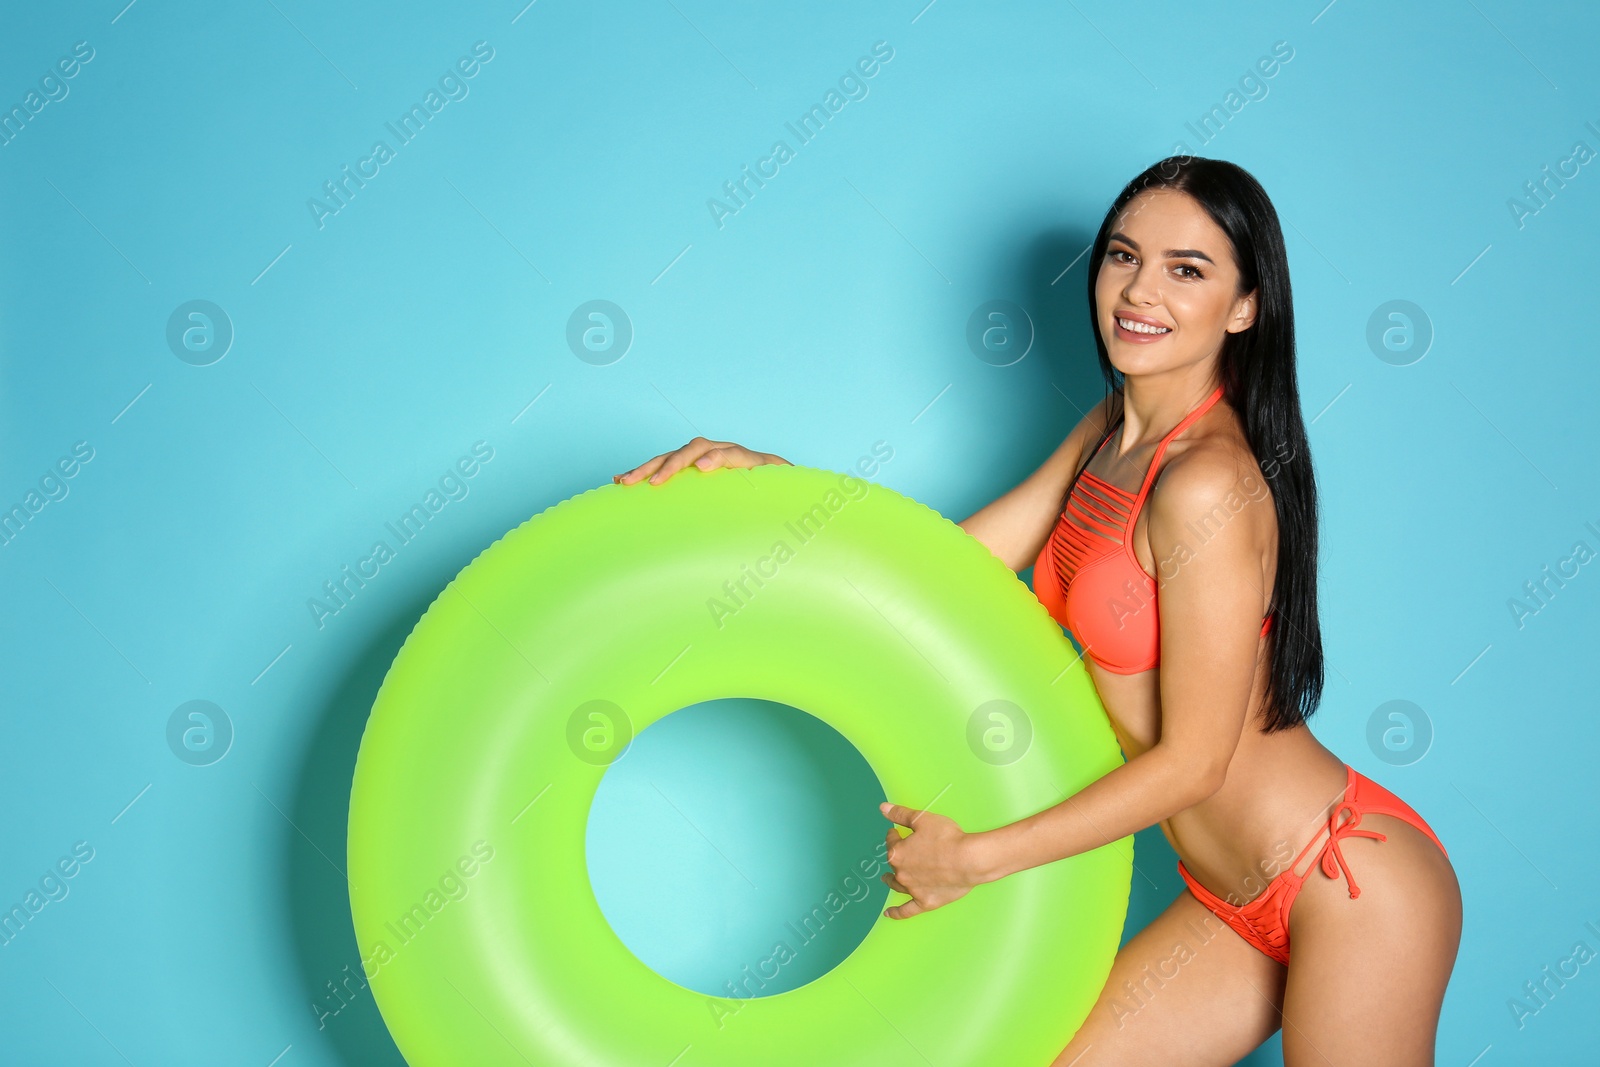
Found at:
(1264, 921)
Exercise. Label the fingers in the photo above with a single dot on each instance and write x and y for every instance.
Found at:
(650, 467)
(898, 813)
(689, 453)
(703, 453)
(644, 469)
(928, 901)
(899, 911)
(906, 910)
(891, 879)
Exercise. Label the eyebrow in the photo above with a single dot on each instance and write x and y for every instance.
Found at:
(1171, 253)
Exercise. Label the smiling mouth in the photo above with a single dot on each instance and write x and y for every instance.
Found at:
(1142, 327)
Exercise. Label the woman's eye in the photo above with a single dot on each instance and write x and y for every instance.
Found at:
(1196, 274)
(1115, 252)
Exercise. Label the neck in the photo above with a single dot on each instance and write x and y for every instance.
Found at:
(1153, 404)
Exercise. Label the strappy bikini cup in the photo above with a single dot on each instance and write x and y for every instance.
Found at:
(1087, 575)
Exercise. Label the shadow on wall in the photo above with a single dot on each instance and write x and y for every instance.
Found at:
(1058, 300)
(1055, 298)
(339, 1004)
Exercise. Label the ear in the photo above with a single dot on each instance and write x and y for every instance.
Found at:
(1244, 312)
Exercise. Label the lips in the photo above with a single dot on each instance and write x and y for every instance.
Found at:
(1141, 333)
(1142, 324)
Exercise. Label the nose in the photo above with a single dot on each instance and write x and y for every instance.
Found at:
(1144, 285)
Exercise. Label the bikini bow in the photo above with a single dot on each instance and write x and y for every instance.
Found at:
(1333, 860)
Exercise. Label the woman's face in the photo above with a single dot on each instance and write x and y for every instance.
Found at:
(1168, 265)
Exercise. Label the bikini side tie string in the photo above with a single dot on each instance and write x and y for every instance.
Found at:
(1333, 863)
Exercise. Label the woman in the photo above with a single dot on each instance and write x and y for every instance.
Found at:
(1206, 497)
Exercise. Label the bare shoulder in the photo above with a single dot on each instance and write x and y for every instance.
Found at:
(1216, 477)
(1213, 539)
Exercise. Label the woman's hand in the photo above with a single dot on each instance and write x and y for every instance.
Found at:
(938, 863)
(707, 455)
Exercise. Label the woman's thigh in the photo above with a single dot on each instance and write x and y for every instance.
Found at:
(1185, 989)
(1367, 975)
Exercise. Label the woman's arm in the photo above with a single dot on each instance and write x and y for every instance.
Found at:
(1211, 603)
(1014, 526)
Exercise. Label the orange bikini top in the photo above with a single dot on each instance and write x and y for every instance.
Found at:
(1088, 577)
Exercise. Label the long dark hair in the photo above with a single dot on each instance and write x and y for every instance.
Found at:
(1258, 379)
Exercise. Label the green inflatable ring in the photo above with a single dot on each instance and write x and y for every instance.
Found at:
(477, 926)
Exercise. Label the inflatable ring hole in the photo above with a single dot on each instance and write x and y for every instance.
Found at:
(727, 847)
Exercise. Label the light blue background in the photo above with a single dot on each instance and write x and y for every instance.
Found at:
(701, 867)
(829, 313)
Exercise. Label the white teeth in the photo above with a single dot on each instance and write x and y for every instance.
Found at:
(1141, 327)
